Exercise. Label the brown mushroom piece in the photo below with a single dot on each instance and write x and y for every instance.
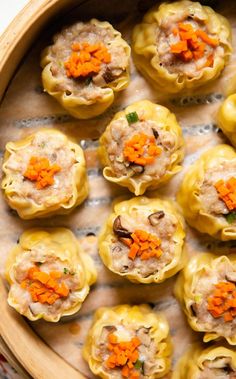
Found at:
(155, 133)
(154, 218)
(119, 230)
(108, 76)
(136, 168)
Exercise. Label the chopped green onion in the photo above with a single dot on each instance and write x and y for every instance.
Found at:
(139, 365)
(39, 263)
(65, 270)
(231, 217)
(132, 117)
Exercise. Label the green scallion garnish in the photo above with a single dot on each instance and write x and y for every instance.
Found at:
(231, 217)
(139, 365)
(65, 270)
(132, 117)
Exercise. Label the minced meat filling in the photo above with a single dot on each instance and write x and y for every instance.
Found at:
(142, 363)
(90, 87)
(219, 368)
(156, 249)
(209, 196)
(51, 148)
(204, 291)
(160, 144)
(37, 301)
(186, 54)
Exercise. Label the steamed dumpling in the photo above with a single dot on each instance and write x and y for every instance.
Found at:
(44, 174)
(49, 275)
(142, 147)
(84, 68)
(128, 342)
(181, 45)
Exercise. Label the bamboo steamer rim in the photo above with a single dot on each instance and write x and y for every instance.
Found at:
(33, 354)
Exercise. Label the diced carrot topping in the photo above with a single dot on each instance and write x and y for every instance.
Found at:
(144, 245)
(209, 61)
(227, 192)
(175, 31)
(141, 149)
(123, 355)
(191, 44)
(222, 303)
(44, 287)
(187, 56)
(40, 171)
(86, 59)
(55, 274)
(112, 338)
(179, 47)
(185, 27)
(205, 38)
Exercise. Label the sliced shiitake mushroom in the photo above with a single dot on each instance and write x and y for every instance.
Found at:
(154, 218)
(110, 328)
(136, 168)
(119, 230)
(155, 133)
(108, 75)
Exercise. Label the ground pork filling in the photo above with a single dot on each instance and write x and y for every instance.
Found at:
(156, 147)
(128, 353)
(44, 284)
(53, 149)
(143, 243)
(88, 86)
(218, 368)
(185, 46)
(215, 305)
(209, 195)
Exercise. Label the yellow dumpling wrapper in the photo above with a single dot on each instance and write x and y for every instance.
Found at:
(188, 195)
(140, 208)
(78, 105)
(145, 44)
(191, 365)
(131, 318)
(56, 244)
(186, 284)
(28, 207)
(166, 121)
(227, 118)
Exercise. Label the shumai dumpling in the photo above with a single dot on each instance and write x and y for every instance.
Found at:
(44, 174)
(84, 68)
(211, 363)
(227, 118)
(143, 240)
(49, 274)
(128, 342)
(142, 147)
(181, 45)
(208, 193)
(206, 289)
